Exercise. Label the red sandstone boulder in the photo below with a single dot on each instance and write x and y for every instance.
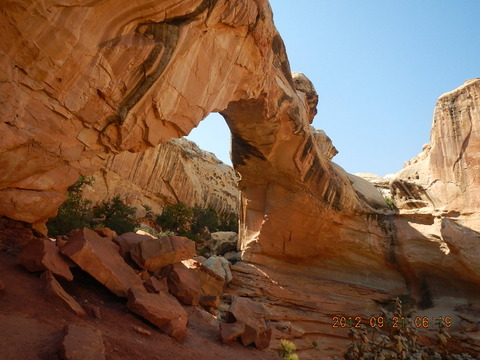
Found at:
(55, 290)
(193, 284)
(43, 255)
(106, 233)
(184, 284)
(153, 254)
(161, 309)
(230, 332)
(128, 241)
(155, 285)
(82, 343)
(254, 316)
(100, 258)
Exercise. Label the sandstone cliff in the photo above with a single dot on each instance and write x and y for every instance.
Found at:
(79, 85)
(175, 171)
(444, 175)
(437, 194)
(80, 82)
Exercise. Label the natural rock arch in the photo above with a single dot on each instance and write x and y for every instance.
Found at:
(81, 80)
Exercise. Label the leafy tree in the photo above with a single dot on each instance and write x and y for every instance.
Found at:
(176, 218)
(229, 223)
(116, 215)
(75, 212)
(195, 223)
(204, 220)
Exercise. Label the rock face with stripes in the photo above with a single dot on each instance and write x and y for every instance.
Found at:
(171, 172)
(80, 84)
(444, 174)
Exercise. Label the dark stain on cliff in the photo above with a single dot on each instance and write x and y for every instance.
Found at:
(416, 287)
(426, 301)
(165, 36)
(278, 48)
(242, 150)
(413, 194)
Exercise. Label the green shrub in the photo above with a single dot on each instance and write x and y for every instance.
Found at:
(229, 223)
(75, 212)
(115, 214)
(389, 203)
(176, 218)
(195, 223)
(204, 220)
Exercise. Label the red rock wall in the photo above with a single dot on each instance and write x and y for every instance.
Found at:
(175, 171)
(83, 81)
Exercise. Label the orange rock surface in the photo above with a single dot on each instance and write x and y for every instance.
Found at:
(79, 84)
(175, 171)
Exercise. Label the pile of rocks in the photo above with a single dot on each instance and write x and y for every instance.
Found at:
(155, 275)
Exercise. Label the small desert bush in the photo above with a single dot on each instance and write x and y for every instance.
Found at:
(77, 212)
(287, 349)
(115, 214)
(195, 223)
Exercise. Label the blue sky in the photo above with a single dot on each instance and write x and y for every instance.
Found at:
(378, 67)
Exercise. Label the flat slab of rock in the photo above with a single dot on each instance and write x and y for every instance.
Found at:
(153, 253)
(161, 309)
(223, 242)
(100, 258)
(254, 317)
(193, 284)
(56, 290)
(43, 255)
(82, 343)
(128, 241)
(155, 285)
(220, 266)
(231, 332)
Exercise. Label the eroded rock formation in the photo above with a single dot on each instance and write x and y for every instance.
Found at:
(437, 194)
(175, 171)
(444, 175)
(80, 82)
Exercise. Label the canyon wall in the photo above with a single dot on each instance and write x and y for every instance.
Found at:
(444, 175)
(175, 171)
(81, 81)
(437, 194)
(79, 85)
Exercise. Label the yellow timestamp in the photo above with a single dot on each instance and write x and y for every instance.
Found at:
(394, 321)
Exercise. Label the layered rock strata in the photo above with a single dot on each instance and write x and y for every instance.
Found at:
(437, 196)
(444, 175)
(175, 171)
(81, 83)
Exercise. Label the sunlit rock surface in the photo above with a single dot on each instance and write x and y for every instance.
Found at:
(175, 171)
(82, 81)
